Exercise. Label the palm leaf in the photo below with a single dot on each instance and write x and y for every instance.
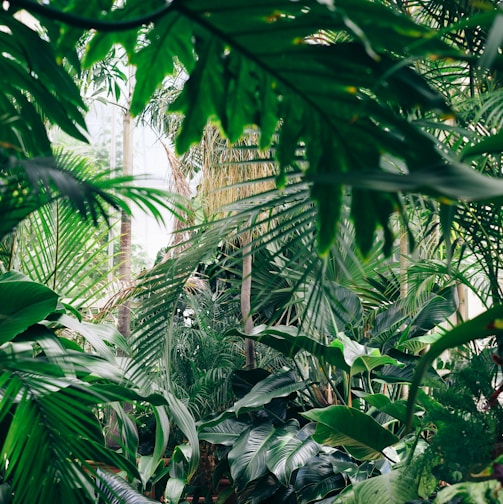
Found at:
(32, 184)
(35, 88)
(341, 69)
(52, 429)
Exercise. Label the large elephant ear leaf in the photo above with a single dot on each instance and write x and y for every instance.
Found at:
(359, 433)
(24, 303)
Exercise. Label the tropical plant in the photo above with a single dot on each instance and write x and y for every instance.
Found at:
(268, 450)
(346, 94)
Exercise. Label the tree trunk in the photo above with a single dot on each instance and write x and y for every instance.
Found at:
(124, 311)
(251, 361)
(124, 321)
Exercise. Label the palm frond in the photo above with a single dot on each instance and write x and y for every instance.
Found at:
(37, 89)
(32, 184)
(51, 428)
(55, 247)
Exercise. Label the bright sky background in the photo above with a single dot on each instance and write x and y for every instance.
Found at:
(149, 159)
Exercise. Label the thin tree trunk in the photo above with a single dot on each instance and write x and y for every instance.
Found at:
(124, 321)
(124, 311)
(251, 360)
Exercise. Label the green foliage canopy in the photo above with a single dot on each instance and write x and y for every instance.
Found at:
(329, 85)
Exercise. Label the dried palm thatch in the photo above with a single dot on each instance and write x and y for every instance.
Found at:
(232, 172)
(179, 185)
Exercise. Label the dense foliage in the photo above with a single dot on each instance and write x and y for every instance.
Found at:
(381, 120)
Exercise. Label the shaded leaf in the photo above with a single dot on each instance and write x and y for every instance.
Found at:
(360, 434)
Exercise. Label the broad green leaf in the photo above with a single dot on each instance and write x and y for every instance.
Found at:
(225, 433)
(150, 464)
(366, 363)
(276, 385)
(290, 452)
(249, 455)
(415, 345)
(24, 303)
(359, 433)
(395, 487)
(113, 488)
(265, 488)
(396, 409)
(185, 421)
(287, 340)
(103, 338)
(321, 476)
(174, 490)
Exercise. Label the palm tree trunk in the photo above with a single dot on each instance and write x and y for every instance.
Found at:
(124, 311)
(124, 317)
(251, 360)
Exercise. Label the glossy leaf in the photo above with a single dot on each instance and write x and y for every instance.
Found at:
(117, 490)
(224, 433)
(24, 303)
(320, 477)
(249, 455)
(276, 385)
(396, 409)
(394, 487)
(361, 435)
(291, 451)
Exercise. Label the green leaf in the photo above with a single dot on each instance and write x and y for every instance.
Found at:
(493, 43)
(116, 489)
(287, 340)
(174, 489)
(447, 182)
(395, 487)
(321, 476)
(103, 338)
(366, 363)
(185, 421)
(488, 145)
(249, 455)
(24, 303)
(489, 323)
(290, 451)
(203, 96)
(225, 433)
(483, 492)
(396, 409)
(172, 37)
(276, 385)
(359, 433)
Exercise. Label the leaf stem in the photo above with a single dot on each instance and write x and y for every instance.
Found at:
(89, 23)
